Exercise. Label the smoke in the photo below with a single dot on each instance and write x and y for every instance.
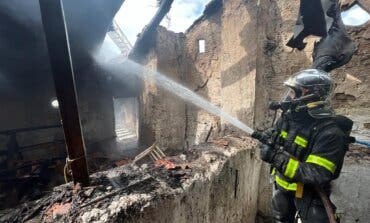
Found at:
(108, 51)
(20, 12)
(126, 67)
(5, 85)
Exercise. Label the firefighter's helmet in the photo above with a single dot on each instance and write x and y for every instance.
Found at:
(312, 82)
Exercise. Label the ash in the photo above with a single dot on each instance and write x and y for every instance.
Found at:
(123, 192)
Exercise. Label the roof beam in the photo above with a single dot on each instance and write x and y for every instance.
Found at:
(62, 68)
(146, 39)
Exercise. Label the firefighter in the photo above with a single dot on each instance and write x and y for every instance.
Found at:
(305, 148)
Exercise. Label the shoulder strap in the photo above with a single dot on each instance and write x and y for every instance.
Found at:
(342, 122)
(318, 126)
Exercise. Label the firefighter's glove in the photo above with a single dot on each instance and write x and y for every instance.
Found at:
(267, 153)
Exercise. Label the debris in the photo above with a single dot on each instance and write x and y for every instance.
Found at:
(154, 151)
(125, 186)
(77, 188)
(57, 210)
(132, 184)
(122, 162)
(183, 157)
(89, 192)
(221, 142)
(165, 163)
(144, 166)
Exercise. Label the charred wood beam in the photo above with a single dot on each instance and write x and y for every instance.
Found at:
(146, 39)
(61, 65)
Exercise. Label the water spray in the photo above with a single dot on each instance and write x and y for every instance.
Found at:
(129, 67)
(125, 66)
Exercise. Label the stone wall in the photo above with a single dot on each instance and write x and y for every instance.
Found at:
(203, 76)
(96, 108)
(243, 68)
(227, 191)
(238, 59)
(224, 74)
(352, 93)
(162, 115)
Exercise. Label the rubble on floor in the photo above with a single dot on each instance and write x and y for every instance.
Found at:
(358, 152)
(125, 191)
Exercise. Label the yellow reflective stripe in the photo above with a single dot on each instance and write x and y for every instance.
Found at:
(273, 172)
(315, 104)
(327, 164)
(286, 185)
(291, 168)
(300, 141)
(283, 134)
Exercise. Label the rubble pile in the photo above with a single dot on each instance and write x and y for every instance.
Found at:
(358, 152)
(125, 191)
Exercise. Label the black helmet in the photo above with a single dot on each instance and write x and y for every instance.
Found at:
(310, 89)
(311, 81)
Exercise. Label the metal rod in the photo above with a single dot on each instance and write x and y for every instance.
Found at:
(56, 34)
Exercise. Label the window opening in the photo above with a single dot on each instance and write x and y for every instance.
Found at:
(202, 46)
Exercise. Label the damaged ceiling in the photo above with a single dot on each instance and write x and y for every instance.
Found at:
(23, 53)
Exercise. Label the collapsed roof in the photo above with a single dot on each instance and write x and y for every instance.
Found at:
(23, 52)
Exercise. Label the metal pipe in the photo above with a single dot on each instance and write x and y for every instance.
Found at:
(56, 34)
(362, 142)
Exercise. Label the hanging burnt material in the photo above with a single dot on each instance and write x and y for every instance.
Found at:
(61, 64)
(146, 39)
(322, 18)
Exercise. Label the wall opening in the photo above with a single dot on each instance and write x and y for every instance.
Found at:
(126, 115)
(202, 46)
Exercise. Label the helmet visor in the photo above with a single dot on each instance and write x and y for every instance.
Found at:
(288, 96)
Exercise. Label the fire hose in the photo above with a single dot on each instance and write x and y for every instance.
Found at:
(327, 204)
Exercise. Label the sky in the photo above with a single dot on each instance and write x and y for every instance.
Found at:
(355, 16)
(135, 14)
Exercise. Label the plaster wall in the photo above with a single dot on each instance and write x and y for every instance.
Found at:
(244, 67)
